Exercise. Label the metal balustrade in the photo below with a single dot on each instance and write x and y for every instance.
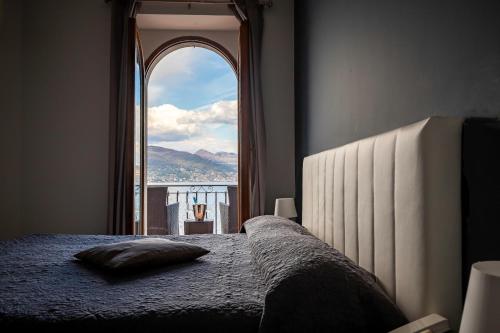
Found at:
(208, 193)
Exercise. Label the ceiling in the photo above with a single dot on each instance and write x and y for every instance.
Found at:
(187, 22)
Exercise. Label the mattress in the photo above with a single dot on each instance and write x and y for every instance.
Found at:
(42, 286)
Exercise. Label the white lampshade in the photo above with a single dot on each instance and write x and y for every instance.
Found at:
(285, 207)
(482, 303)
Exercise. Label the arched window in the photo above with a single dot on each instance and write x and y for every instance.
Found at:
(182, 42)
(192, 127)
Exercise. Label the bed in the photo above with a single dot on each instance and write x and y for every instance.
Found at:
(43, 286)
(387, 208)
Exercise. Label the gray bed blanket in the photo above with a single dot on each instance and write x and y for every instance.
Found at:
(43, 287)
(311, 287)
(278, 279)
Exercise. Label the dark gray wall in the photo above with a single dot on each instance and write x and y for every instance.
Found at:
(54, 110)
(278, 98)
(65, 127)
(365, 67)
(10, 112)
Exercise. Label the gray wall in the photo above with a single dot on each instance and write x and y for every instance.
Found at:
(60, 123)
(10, 116)
(278, 95)
(364, 67)
(152, 39)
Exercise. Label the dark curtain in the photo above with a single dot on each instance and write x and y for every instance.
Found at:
(121, 145)
(249, 12)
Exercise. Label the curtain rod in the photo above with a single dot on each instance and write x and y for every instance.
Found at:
(267, 3)
(208, 2)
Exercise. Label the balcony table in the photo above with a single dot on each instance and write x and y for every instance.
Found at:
(192, 227)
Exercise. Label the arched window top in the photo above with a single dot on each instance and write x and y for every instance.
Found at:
(188, 41)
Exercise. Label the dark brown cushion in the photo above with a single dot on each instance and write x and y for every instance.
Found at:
(141, 253)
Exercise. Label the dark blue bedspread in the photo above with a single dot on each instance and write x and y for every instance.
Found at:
(279, 279)
(43, 286)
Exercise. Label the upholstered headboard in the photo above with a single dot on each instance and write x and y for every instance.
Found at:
(391, 203)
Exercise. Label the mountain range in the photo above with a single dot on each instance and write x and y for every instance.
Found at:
(170, 165)
(219, 157)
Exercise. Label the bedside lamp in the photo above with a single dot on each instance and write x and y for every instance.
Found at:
(285, 207)
(482, 303)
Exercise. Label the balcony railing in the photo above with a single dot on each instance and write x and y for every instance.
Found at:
(208, 193)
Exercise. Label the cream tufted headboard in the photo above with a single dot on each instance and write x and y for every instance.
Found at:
(391, 203)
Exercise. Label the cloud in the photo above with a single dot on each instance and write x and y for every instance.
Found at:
(222, 112)
(174, 69)
(175, 65)
(155, 93)
(168, 137)
(163, 124)
(189, 130)
(190, 77)
(179, 84)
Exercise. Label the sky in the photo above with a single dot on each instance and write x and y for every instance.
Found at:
(192, 102)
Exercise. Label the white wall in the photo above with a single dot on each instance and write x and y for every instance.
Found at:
(10, 117)
(278, 93)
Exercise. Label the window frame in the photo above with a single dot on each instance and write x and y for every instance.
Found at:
(240, 69)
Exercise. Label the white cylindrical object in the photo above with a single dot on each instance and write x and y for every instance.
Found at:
(285, 207)
(482, 303)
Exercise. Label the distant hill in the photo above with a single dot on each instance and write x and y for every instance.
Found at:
(169, 165)
(219, 157)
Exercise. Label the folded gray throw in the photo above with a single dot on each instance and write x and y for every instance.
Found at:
(312, 287)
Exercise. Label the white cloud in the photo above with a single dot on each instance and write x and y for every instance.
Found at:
(212, 127)
(222, 112)
(196, 72)
(154, 93)
(190, 130)
(171, 70)
(177, 64)
(163, 124)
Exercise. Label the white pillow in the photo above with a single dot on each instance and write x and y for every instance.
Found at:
(141, 253)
